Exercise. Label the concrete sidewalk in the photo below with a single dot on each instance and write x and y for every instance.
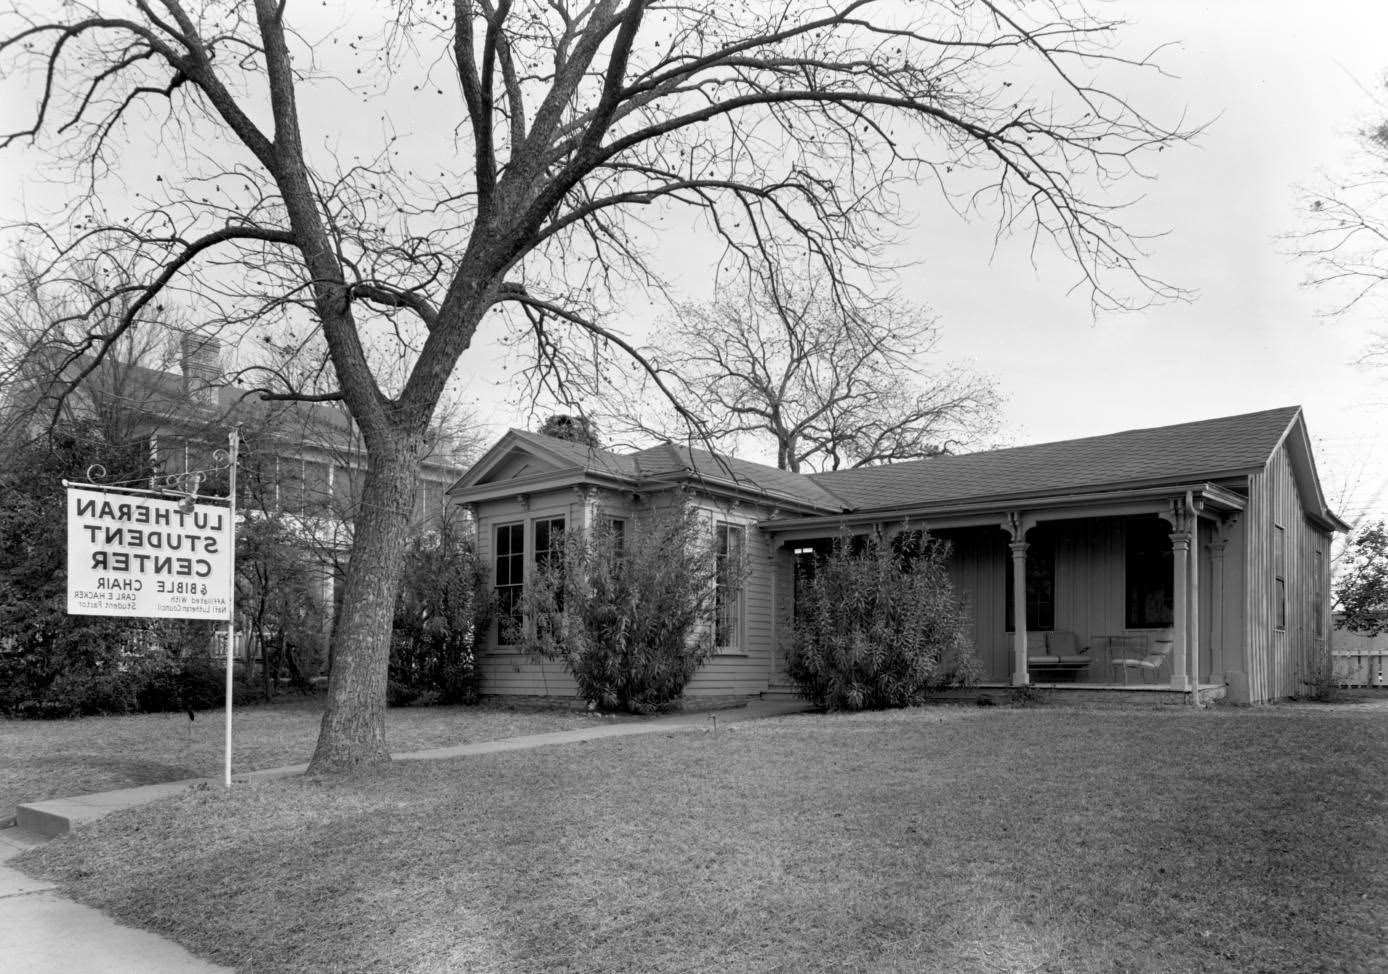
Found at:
(44, 932)
(58, 815)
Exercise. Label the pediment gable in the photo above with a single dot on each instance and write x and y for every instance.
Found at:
(513, 459)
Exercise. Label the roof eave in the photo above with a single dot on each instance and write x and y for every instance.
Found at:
(1225, 499)
(571, 476)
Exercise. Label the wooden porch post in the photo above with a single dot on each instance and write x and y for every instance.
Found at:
(1193, 607)
(1180, 622)
(1218, 543)
(1020, 677)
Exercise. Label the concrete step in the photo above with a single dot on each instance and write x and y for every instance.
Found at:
(56, 816)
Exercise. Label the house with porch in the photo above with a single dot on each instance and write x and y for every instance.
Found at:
(1187, 561)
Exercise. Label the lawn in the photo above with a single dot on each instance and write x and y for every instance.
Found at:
(59, 758)
(1052, 839)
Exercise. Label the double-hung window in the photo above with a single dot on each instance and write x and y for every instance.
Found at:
(727, 591)
(549, 553)
(510, 582)
(1279, 579)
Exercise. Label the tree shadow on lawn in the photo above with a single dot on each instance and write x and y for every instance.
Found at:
(1048, 841)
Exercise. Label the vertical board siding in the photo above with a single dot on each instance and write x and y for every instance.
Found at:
(1278, 661)
(1089, 594)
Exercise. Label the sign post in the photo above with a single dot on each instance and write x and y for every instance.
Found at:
(156, 554)
(234, 442)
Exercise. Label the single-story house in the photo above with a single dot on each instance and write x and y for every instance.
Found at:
(1188, 560)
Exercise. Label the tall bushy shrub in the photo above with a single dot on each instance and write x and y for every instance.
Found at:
(877, 625)
(53, 664)
(628, 614)
(442, 612)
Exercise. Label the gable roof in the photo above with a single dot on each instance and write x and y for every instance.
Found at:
(1205, 450)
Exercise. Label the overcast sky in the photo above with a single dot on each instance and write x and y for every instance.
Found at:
(1284, 85)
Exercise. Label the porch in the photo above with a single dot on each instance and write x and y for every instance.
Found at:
(1130, 599)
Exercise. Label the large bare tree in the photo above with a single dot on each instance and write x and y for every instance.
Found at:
(831, 386)
(1345, 237)
(250, 155)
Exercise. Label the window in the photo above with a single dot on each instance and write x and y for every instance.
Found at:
(807, 556)
(1279, 581)
(727, 588)
(1040, 575)
(510, 582)
(1318, 595)
(549, 550)
(1148, 574)
(316, 493)
(618, 529)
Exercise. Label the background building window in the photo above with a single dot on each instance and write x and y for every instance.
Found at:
(727, 592)
(1147, 574)
(510, 582)
(1040, 582)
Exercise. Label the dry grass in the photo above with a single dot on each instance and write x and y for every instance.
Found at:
(60, 758)
(1045, 840)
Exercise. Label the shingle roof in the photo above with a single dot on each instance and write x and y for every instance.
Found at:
(668, 462)
(1188, 451)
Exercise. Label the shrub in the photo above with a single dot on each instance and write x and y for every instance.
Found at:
(441, 615)
(53, 664)
(627, 613)
(877, 625)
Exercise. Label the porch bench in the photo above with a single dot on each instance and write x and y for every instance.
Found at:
(1064, 658)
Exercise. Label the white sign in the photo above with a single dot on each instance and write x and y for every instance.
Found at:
(131, 555)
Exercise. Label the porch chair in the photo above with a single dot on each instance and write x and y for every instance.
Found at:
(1152, 661)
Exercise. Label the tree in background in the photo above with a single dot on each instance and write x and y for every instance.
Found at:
(278, 599)
(627, 612)
(1361, 592)
(830, 386)
(1345, 241)
(578, 130)
(576, 429)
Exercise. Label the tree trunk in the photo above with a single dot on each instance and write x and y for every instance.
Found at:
(353, 733)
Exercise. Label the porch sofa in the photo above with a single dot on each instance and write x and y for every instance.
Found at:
(1064, 659)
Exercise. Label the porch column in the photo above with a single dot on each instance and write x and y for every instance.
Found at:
(1180, 622)
(1218, 543)
(1020, 677)
(1193, 608)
